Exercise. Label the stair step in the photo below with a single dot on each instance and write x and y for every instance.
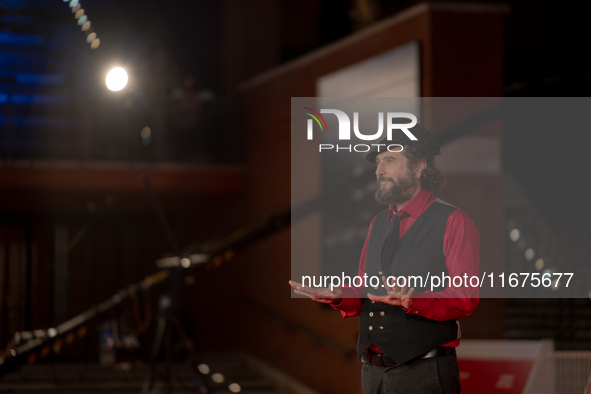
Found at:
(252, 375)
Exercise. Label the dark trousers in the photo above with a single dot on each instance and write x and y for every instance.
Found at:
(437, 375)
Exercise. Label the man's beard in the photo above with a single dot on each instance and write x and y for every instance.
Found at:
(398, 192)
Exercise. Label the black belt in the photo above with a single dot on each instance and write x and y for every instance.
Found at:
(380, 359)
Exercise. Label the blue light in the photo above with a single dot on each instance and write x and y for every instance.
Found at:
(82, 19)
(17, 19)
(22, 39)
(73, 3)
(39, 79)
(21, 99)
(39, 99)
(13, 3)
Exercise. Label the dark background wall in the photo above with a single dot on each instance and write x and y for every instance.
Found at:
(254, 55)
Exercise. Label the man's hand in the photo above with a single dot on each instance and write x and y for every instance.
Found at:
(396, 295)
(320, 294)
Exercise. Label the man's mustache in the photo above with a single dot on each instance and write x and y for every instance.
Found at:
(383, 178)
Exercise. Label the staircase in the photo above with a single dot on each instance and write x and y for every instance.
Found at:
(225, 373)
(553, 247)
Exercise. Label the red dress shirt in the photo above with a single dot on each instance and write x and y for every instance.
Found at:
(461, 245)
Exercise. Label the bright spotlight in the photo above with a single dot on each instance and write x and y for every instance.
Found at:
(116, 79)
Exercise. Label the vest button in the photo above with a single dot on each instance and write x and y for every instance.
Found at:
(381, 327)
(370, 328)
(380, 272)
(376, 287)
(373, 302)
(370, 314)
(382, 313)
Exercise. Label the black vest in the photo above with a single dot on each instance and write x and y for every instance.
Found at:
(400, 335)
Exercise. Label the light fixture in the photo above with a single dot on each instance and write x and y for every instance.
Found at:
(217, 377)
(116, 78)
(514, 235)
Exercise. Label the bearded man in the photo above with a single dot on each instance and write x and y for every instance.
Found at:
(406, 342)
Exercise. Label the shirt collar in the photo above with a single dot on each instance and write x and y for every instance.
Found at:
(414, 207)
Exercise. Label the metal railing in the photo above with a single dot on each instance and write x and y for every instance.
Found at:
(571, 371)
